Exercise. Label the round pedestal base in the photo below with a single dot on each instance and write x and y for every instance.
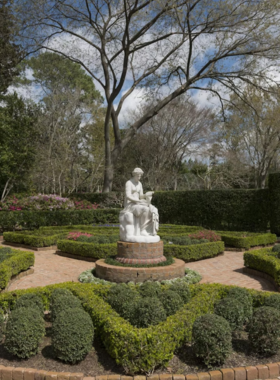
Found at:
(140, 253)
(125, 274)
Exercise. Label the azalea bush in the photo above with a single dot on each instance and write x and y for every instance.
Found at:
(76, 234)
(206, 234)
(43, 202)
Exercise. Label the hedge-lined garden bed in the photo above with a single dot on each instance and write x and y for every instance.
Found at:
(264, 260)
(14, 262)
(246, 240)
(101, 251)
(34, 238)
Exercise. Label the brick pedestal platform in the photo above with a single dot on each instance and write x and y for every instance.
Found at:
(125, 274)
(140, 253)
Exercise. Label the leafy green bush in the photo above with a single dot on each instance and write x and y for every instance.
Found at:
(276, 248)
(64, 302)
(24, 330)
(58, 293)
(122, 299)
(5, 250)
(264, 331)
(194, 252)
(2, 325)
(273, 301)
(171, 302)
(96, 251)
(30, 300)
(15, 263)
(181, 288)
(212, 339)
(244, 297)
(148, 311)
(183, 240)
(232, 310)
(246, 239)
(5, 253)
(34, 238)
(72, 335)
(150, 289)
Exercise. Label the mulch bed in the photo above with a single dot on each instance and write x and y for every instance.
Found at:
(98, 362)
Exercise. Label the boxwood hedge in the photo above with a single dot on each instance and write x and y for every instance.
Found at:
(246, 239)
(33, 238)
(16, 263)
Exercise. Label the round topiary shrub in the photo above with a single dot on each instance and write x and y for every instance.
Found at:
(276, 248)
(64, 303)
(171, 302)
(211, 335)
(273, 301)
(150, 289)
(123, 300)
(30, 300)
(181, 288)
(24, 330)
(232, 310)
(72, 335)
(243, 296)
(264, 331)
(59, 292)
(5, 250)
(148, 311)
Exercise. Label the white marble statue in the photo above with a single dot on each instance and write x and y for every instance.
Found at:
(139, 220)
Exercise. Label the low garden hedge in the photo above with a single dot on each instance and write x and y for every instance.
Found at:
(18, 262)
(138, 350)
(246, 239)
(194, 252)
(9, 220)
(34, 239)
(101, 251)
(264, 260)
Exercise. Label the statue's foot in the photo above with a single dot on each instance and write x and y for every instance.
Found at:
(144, 233)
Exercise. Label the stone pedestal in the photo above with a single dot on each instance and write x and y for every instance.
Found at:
(140, 253)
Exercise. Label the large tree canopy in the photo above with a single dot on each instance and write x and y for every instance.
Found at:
(10, 53)
(170, 45)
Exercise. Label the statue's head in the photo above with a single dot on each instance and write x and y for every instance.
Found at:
(137, 173)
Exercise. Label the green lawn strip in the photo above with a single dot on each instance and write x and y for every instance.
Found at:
(16, 263)
(264, 260)
(246, 239)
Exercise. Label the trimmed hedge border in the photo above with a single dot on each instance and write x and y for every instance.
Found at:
(264, 260)
(246, 242)
(9, 220)
(15, 264)
(258, 273)
(100, 251)
(33, 241)
(141, 350)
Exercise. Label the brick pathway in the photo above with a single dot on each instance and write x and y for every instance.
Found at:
(224, 269)
(227, 269)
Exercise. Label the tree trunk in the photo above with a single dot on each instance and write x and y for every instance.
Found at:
(109, 167)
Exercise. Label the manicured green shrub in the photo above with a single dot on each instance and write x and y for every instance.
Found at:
(264, 331)
(25, 328)
(72, 335)
(150, 289)
(246, 239)
(148, 311)
(194, 252)
(123, 299)
(273, 301)
(96, 251)
(5, 253)
(2, 325)
(276, 248)
(230, 210)
(58, 293)
(244, 297)
(181, 288)
(30, 300)
(34, 239)
(5, 250)
(34, 219)
(264, 260)
(171, 302)
(232, 310)
(64, 302)
(16, 262)
(212, 339)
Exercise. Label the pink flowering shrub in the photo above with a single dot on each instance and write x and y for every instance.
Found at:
(43, 202)
(75, 234)
(206, 234)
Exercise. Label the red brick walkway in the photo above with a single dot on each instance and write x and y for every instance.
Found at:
(224, 269)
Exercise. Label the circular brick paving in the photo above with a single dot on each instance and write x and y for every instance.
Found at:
(224, 269)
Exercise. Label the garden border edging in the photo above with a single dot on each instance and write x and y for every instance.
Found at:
(263, 371)
(257, 273)
(17, 277)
